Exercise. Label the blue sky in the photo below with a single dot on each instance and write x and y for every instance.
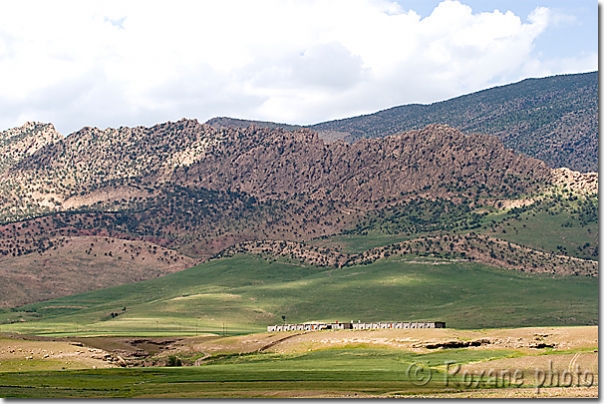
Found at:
(579, 34)
(128, 63)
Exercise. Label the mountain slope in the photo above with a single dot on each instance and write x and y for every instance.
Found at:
(225, 122)
(554, 119)
(273, 164)
(18, 143)
(283, 185)
(190, 191)
(79, 264)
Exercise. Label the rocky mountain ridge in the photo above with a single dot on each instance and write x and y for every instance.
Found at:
(18, 143)
(193, 190)
(469, 247)
(554, 119)
(91, 164)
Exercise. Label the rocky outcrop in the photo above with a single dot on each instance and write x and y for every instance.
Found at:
(575, 182)
(19, 143)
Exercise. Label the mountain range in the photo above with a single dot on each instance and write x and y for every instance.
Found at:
(101, 208)
(554, 119)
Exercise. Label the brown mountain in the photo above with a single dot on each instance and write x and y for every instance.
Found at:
(184, 191)
(554, 119)
(276, 164)
(120, 168)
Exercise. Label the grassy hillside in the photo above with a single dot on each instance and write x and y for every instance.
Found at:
(246, 293)
(566, 225)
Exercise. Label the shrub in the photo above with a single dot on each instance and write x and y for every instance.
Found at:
(174, 361)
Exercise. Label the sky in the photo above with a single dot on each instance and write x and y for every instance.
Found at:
(130, 63)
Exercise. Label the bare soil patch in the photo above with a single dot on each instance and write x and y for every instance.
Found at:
(17, 353)
(83, 263)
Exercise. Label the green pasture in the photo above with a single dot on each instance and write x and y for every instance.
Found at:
(243, 294)
(343, 372)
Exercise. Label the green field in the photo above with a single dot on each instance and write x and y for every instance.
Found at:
(332, 371)
(245, 293)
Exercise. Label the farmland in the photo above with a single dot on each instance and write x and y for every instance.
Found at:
(318, 364)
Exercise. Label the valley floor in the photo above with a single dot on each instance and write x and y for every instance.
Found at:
(486, 363)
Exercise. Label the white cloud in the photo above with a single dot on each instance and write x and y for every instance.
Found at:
(113, 63)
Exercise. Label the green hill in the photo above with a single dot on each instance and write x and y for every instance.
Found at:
(245, 293)
(552, 224)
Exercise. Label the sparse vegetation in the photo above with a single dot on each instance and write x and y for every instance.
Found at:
(554, 119)
(344, 363)
(191, 191)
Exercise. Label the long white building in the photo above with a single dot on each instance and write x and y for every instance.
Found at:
(355, 326)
